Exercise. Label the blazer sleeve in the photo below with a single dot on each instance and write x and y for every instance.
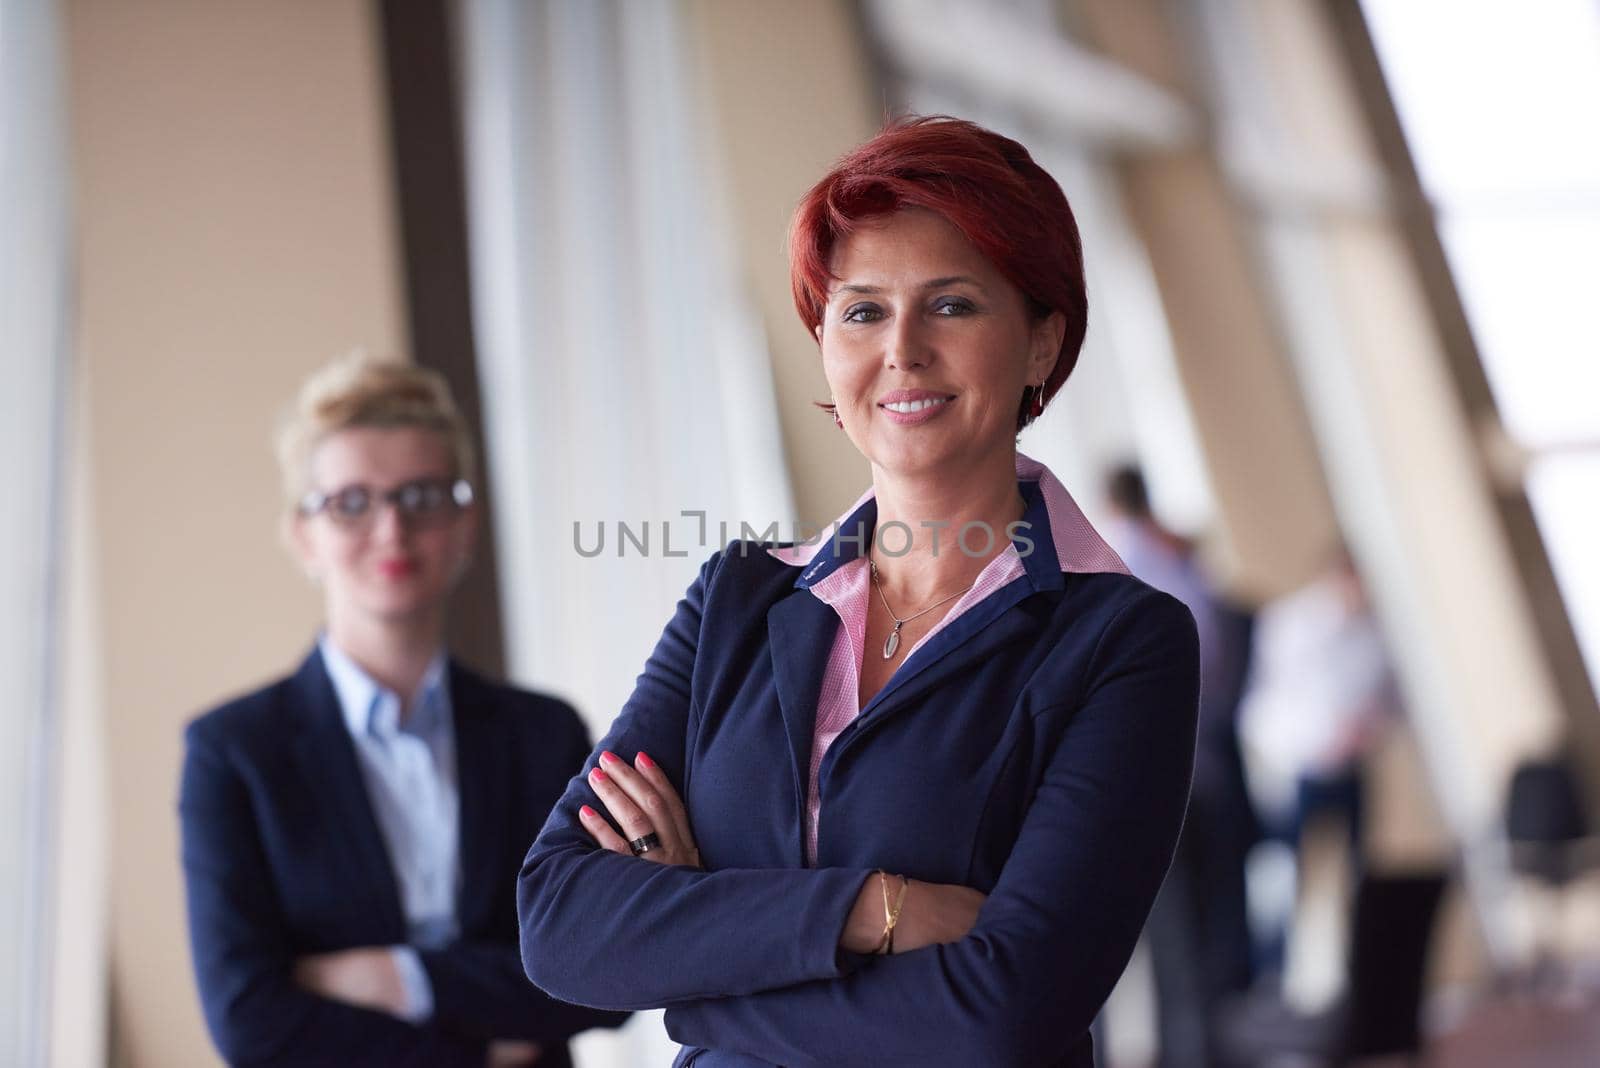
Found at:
(1061, 923)
(256, 1013)
(479, 987)
(614, 932)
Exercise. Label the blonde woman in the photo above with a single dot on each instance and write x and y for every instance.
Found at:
(351, 833)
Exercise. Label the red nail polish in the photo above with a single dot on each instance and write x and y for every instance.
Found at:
(599, 776)
(645, 761)
(608, 757)
(587, 811)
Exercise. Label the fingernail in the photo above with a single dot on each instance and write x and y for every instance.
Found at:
(608, 757)
(587, 811)
(599, 776)
(645, 761)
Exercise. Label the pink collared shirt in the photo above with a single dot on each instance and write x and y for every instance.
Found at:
(849, 589)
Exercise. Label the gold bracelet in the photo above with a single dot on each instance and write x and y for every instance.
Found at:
(891, 913)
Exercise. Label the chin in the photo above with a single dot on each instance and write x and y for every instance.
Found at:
(927, 456)
(400, 608)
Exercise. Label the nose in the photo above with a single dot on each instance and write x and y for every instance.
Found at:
(388, 524)
(907, 346)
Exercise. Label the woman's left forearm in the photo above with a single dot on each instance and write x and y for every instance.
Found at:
(616, 932)
(928, 914)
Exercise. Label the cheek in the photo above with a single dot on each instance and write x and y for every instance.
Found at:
(349, 560)
(846, 373)
(440, 548)
(1004, 360)
(334, 554)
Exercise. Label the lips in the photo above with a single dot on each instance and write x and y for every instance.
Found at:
(398, 568)
(910, 407)
(912, 401)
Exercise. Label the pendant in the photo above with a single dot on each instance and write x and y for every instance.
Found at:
(892, 642)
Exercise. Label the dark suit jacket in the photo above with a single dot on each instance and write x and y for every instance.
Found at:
(1039, 749)
(282, 856)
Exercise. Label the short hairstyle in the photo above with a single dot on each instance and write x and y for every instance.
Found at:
(364, 391)
(1126, 489)
(986, 185)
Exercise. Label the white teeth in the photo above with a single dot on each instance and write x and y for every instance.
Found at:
(907, 407)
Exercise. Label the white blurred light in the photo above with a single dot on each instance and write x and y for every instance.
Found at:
(1500, 104)
(1496, 97)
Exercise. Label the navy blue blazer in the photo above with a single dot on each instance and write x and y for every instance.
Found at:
(282, 857)
(1039, 749)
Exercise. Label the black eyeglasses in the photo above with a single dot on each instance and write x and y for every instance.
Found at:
(421, 502)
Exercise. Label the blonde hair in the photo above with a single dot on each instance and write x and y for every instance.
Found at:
(364, 391)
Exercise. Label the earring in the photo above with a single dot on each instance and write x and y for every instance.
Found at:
(1036, 407)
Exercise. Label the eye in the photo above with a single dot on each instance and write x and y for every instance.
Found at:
(420, 498)
(953, 306)
(351, 502)
(862, 313)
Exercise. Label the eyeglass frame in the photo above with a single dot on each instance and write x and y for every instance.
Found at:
(459, 496)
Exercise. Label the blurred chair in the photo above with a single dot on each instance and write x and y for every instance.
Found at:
(1551, 846)
(1548, 830)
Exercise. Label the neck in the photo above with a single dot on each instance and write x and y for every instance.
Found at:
(395, 653)
(935, 510)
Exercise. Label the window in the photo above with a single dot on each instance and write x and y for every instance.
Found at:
(1499, 104)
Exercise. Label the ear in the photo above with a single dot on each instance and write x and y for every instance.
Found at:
(1044, 347)
(470, 522)
(817, 331)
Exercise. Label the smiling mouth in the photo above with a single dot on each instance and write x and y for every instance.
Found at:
(907, 407)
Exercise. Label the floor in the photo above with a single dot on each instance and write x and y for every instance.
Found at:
(1512, 1035)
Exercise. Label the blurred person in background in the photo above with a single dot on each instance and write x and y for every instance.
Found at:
(1320, 693)
(1199, 930)
(351, 833)
(885, 798)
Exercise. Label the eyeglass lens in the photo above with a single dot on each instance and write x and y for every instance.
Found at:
(418, 500)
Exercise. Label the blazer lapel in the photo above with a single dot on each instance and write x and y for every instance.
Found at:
(971, 638)
(1003, 617)
(481, 768)
(801, 629)
(327, 758)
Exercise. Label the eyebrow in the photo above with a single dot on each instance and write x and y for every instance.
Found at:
(932, 283)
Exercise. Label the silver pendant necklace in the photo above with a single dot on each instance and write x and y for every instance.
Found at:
(891, 644)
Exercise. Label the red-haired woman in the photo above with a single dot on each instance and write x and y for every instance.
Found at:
(903, 796)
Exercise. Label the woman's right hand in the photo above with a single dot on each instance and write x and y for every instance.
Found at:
(932, 914)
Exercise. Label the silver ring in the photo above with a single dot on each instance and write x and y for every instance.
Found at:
(641, 846)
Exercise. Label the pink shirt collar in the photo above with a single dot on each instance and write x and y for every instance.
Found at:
(846, 587)
(1078, 546)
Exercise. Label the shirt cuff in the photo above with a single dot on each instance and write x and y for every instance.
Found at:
(414, 978)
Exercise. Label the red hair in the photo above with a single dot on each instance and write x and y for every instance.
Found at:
(985, 185)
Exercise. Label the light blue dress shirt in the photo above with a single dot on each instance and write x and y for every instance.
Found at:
(410, 774)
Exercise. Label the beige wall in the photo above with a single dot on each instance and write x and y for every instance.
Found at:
(1275, 521)
(235, 230)
(790, 91)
